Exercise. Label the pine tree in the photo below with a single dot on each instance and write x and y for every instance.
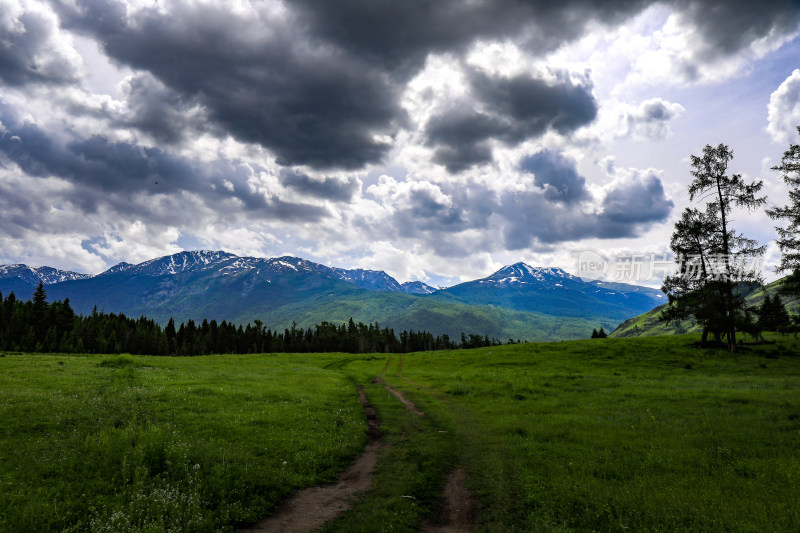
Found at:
(765, 314)
(39, 312)
(693, 290)
(789, 236)
(727, 252)
(170, 333)
(779, 313)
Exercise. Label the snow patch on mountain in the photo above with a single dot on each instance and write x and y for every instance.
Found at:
(522, 273)
(33, 275)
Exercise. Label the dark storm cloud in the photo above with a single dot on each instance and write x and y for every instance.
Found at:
(733, 25)
(327, 188)
(261, 81)
(511, 110)
(321, 87)
(398, 36)
(105, 172)
(637, 201)
(536, 104)
(628, 209)
(427, 212)
(442, 215)
(424, 210)
(16, 208)
(461, 137)
(557, 176)
(160, 112)
(28, 54)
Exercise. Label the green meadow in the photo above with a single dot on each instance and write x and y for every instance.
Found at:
(636, 434)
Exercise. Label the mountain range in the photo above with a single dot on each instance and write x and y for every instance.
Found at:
(518, 301)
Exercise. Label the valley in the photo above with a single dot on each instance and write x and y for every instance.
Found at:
(639, 434)
(517, 302)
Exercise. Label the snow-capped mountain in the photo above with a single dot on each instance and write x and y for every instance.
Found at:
(119, 267)
(231, 265)
(221, 263)
(417, 287)
(522, 273)
(369, 279)
(33, 275)
(175, 264)
(554, 292)
(518, 301)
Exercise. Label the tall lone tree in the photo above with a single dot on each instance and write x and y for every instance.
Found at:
(721, 253)
(693, 290)
(789, 236)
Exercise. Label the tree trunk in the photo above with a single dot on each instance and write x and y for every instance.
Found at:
(729, 311)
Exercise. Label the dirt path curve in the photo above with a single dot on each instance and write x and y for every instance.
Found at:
(460, 507)
(399, 395)
(308, 509)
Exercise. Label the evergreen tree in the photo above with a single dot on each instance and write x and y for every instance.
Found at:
(39, 311)
(693, 290)
(765, 316)
(723, 253)
(779, 313)
(171, 335)
(789, 235)
(772, 313)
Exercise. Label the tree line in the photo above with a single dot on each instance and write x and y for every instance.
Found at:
(715, 261)
(38, 326)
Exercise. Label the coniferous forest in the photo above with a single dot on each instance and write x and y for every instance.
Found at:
(38, 326)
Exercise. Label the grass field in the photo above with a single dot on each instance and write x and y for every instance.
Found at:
(641, 434)
(129, 443)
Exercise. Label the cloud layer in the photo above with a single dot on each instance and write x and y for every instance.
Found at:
(343, 130)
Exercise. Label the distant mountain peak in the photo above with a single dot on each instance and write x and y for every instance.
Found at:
(417, 287)
(181, 262)
(119, 267)
(524, 273)
(33, 275)
(540, 302)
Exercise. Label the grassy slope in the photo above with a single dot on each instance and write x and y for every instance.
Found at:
(645, 434)
(93, 443)
(401, 311)
(618, 434)
(648, 324)
(573, 299)
(309, 301)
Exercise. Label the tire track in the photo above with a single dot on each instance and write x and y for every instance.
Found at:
(310, 508)
(460, 507)
(399, 395)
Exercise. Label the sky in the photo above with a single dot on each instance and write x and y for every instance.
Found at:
(435, 140)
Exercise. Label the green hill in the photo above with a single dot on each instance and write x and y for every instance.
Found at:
(648, 324)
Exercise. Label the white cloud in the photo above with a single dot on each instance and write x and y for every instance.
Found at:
(243, 241)
(783, 110)
(134, 241)
(660, 47)
(651, 119)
